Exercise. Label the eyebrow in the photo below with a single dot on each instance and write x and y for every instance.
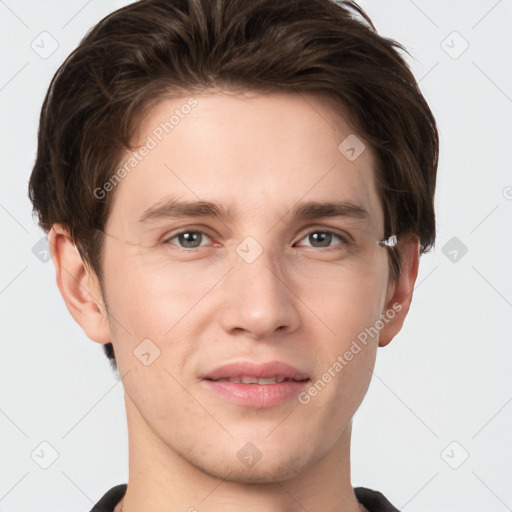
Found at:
(173, 208)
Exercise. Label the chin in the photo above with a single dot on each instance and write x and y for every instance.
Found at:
(270, 465)
(263, 472)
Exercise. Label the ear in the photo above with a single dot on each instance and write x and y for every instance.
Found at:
(78, 285)
(399, 295)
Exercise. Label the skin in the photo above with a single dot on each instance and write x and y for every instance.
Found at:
(258, 155)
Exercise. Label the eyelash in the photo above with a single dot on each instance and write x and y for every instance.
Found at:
(345, 241)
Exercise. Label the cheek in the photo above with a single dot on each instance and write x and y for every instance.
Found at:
(345, 354)
(345, 306)
(149, 296)
(346, 314)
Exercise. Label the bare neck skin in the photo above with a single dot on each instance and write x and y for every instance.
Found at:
(161, 480)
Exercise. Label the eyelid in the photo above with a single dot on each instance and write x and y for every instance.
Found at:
(343, 235)
(336, 246)
(169, 236)
(327, 229)
(171, 233)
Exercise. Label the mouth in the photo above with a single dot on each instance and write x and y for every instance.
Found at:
(256, 385)
(255, 380)
(249, 372)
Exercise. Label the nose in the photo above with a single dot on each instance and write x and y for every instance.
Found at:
(257, 300)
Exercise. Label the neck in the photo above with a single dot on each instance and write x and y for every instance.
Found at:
(160, 479)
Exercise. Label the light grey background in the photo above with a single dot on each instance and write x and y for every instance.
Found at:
(442, 390)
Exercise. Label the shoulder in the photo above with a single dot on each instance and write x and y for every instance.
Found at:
(374, 501)
(110, 499)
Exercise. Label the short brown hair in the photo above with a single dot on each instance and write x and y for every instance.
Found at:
(156, 49)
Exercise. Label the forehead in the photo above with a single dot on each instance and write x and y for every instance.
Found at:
(257, 155)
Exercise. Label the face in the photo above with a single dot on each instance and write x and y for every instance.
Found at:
(275, 273)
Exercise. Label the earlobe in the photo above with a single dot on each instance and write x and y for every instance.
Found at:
(78, 286)
(400, 296)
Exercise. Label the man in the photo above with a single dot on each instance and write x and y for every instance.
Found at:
(236, 195)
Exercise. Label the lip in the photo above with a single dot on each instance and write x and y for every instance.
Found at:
(265, 370)
(256, 395)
